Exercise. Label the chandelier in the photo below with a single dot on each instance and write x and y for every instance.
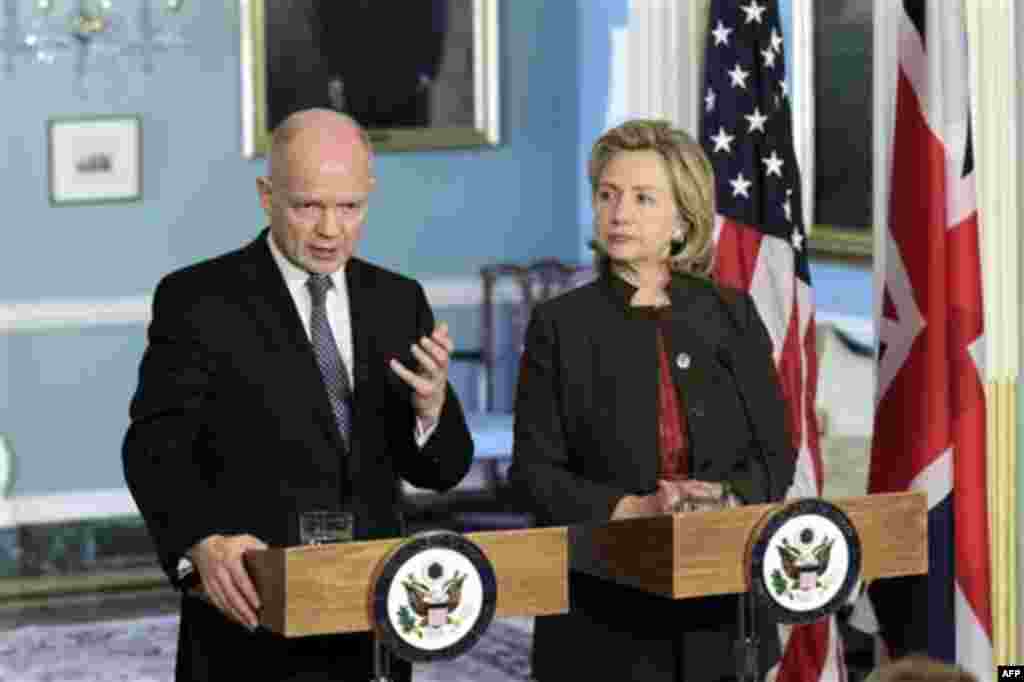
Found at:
(89, 31)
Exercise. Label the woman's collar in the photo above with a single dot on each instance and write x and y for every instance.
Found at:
(622, 292)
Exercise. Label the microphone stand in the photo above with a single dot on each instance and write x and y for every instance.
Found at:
(747, 643)
(381, 661)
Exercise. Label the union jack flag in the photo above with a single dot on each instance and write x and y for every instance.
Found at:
(930, 401)
(747, 133)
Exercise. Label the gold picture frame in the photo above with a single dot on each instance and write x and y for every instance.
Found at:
(460, 102)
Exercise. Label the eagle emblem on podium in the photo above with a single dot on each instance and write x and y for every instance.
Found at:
(805, 562)
(434, 597)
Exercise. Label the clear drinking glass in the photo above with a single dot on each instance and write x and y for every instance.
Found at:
(319, 527)
(690, 504)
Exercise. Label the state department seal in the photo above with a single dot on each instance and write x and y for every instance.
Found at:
(435, 597)
(805, 561)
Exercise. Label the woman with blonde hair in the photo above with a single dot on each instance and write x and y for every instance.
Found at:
(647, 388)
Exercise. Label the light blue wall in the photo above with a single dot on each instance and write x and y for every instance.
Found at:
(597, 19)
(64, 393)
(786, 14)
(68, 406)
(841, 289)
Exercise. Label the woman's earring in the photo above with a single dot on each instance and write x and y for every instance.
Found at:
(677, 242)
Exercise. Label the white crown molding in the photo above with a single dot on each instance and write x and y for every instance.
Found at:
(66, 506)
(60, 314)
(442, 292)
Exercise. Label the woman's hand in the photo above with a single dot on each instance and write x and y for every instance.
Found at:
(635, 506)
(689, 487)
(712, 493)
(668, 497)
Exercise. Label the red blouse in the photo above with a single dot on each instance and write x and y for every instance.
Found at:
(672, 444)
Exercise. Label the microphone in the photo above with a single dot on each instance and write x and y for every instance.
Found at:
(724, 358)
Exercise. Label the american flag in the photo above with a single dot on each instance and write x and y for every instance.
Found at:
(747, 133)
(930, 412)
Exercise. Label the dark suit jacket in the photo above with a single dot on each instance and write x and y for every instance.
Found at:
(586, 435)
(232, 432)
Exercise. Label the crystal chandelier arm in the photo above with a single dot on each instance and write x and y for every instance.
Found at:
(89, 29)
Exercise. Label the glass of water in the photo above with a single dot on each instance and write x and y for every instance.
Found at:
(319, 527)
(691, 504)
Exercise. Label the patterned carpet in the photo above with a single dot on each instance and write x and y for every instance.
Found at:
(142, 650)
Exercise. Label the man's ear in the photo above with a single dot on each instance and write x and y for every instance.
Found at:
(265, 190)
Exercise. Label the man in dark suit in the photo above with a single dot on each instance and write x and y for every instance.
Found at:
(274, 383)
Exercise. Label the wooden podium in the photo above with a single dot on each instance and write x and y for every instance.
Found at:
(704, 554)
(327, 588)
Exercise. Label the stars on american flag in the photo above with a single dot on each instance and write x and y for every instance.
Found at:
(747, 128)
(753, 11)
(739, 76)
(741, 186)
(723, 140)
(773, 165)
(756, 120)
(797, 238)
(721, 34)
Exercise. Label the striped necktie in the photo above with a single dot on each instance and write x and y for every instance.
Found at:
(332, 367)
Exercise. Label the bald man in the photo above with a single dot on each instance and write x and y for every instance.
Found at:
(248, 411)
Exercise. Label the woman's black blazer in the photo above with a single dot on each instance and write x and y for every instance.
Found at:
(586, 425)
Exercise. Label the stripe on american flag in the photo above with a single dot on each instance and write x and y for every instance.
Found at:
(746, 131)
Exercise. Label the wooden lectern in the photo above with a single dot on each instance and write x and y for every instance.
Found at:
(314, 590)
(327, 588)
(705, 553)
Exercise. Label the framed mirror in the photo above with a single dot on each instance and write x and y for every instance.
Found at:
(416, 75)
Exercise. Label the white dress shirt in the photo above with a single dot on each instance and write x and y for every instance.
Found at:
(339, 317)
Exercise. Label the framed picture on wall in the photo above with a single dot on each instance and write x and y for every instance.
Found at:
(416, 75)
(837, 63)
(95, 159)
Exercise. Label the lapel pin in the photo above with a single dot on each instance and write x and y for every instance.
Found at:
(682, 361)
